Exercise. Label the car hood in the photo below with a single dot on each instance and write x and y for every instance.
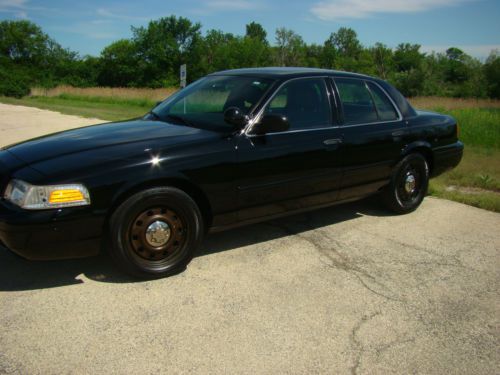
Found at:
(104, 135)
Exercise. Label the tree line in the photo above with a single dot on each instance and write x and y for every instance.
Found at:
(154, 53)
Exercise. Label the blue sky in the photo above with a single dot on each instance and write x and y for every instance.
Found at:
(89, 25)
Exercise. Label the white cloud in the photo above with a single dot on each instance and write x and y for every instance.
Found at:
(480, 51)
(110, 14)
(12, 4)
(101, 22)
(223, 5)
(344, 9)
(16, 7)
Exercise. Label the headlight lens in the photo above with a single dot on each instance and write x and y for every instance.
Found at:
(33, 197)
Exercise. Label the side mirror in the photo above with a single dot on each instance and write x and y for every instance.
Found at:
(272, 124)
(234, 116)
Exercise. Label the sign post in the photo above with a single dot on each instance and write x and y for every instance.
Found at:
(183, 74)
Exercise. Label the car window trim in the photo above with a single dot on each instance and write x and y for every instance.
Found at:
(257, 118)
(400, 116)
(335, 102)
(373, 100)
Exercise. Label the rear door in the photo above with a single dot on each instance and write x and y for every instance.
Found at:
(374, 134)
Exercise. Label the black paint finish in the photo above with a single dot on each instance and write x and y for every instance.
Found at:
(235, 175)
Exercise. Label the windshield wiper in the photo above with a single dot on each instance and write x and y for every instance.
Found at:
(178, 119)
(154, 115)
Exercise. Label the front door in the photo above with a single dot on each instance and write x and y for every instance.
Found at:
(293, 169)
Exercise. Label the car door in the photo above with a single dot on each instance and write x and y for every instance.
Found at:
(374, 133)
(296, 168)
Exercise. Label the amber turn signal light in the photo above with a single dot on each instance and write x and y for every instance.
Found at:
(66, 196)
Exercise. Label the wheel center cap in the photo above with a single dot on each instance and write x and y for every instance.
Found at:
(410, 183)
(158, 233)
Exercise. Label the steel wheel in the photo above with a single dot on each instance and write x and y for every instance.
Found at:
(157, 234)
(408, 184)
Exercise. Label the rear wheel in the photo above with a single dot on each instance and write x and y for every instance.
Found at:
(408, 185)
(155, 233)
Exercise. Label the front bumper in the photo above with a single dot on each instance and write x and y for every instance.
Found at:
(50, 234)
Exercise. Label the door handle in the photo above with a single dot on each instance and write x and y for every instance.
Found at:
(398, 133)
(333, 141)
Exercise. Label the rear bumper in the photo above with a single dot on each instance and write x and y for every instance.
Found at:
(51, 234)
(447, 157)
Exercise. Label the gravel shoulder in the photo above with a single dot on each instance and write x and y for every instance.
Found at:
(346, 290)
(18, 123)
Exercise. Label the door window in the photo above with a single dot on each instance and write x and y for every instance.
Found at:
(385, 109)
(304, 102)
(357, 103)
(364, 102)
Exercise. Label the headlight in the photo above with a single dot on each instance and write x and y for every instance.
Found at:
(33, 197)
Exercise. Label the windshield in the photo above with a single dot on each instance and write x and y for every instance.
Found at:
(204, 101)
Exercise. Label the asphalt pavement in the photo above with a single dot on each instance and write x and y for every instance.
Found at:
(350, 289)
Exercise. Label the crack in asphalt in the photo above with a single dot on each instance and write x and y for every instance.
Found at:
(357, 343)
(383, 348)
(338, 260)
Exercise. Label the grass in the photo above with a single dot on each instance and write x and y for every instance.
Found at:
(106, 103)
(152, 95)
(110, 109)
(478, 126)
(476, 181)
(433, 102)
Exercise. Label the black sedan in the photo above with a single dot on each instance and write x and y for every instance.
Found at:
(234, 147)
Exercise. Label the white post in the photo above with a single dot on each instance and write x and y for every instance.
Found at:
(183, 74)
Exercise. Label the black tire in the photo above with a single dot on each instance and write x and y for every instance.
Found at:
(399, 195)
(150, 251)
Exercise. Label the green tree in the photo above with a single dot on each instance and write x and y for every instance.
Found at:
(492, 74)
(313, 55)
(216, 52)
(382, 60)
(342, 50)
(408, 57)
(409, 77)
(118, 64)
(256, 31)
(163, 46)
(346, 42)
(457, 71)
(23, 42)
(289, 47)
(32, 57)
(152, 57)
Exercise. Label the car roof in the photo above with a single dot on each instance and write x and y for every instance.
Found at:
(287, 72)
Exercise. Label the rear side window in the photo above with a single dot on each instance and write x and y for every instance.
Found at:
(364, 102)
(357, 102)
(385, 109)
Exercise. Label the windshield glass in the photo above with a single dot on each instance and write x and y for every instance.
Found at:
(204, 101)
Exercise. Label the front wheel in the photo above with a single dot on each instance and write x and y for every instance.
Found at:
(408, 185)
(155, 233)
